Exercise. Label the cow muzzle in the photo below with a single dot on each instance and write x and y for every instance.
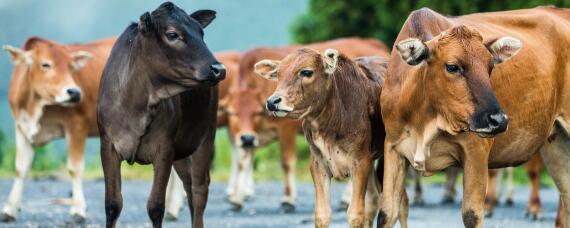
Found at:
(218, 72)
(275, 106)
(69, 96)
(496, 123)
(248, 141)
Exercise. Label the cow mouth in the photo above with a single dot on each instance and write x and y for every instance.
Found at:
(484, 132)
(280, 113)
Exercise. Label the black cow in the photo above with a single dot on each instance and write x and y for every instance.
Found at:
(157, 104)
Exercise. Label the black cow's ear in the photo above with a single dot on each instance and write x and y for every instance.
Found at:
(204, 17)
(145, 23)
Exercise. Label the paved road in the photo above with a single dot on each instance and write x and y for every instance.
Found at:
(261, 211)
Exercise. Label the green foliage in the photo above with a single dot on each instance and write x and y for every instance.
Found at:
(382, 19)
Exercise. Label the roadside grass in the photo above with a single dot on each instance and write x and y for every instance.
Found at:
(267, 165)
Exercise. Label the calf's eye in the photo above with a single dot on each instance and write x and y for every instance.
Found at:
(172, 36)
(306, 73)
(45, 66)
(452, 68)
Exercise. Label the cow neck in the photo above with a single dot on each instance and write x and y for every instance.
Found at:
(29, 107)
(343, 106)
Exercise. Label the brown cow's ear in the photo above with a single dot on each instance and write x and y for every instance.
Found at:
(18, 55)
(331, 60)
(268, 69)
(413, 51)
(204, 17)
(80, 59)
(504, 48)
(145, 23)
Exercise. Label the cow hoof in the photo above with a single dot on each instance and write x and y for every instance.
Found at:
(488, 214)
(509, 202)
(447, 200)
(78, 219)
(170, 217)
(287, 207)
(8, 218)
(343, 206)
(535, 216)
(236, 207)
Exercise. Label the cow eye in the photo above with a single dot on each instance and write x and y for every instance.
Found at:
(172, 36)
(452, 68)
(46, 66)
(306, 73)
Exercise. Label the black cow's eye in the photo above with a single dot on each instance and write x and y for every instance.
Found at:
(171, 36)
(452, 68)
(306, 73)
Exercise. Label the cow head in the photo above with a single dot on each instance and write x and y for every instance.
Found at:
(50, 69)
(245, 110)
(172, 44)
(456, 71)
(304, 79)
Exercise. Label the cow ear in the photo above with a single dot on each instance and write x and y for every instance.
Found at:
(504, 48)
(204, 17)
(18, 55)
(413, 51)
(145, 23)
(330, 60)
(268, 69)
(80, 59)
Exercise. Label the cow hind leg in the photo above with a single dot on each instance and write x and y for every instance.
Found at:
(287, 143)
(24, 158)
(346, 195)
(533, 168)
(556, 155)
(451, 174)
(491, 194)
(112, 174)
(174, 196)
(418, 193)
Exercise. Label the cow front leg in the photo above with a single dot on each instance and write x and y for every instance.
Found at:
(474, 187)
(200, 170)
(393, 187)
(287, 136)
(372, 200)
(533, 168)
(244, 170)
(112, 174)
(321, 180)
(155, 205)
(360, 176)
(76, 138)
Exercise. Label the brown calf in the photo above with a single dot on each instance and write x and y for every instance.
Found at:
(251, 127)
(440, 109)
(337, 100)
(53, 94)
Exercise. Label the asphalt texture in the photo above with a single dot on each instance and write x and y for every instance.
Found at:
(261, 211)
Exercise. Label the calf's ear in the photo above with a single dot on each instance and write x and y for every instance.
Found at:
(80, 59)
(145, 23)
(330, 60)
(504, 48)
(18, 55)
(268, 69)
(204, 17)
(413, 51)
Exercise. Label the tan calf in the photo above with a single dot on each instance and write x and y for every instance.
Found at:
(53, 94)
(337, 100)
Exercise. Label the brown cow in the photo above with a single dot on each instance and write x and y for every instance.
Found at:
(251, 127)
(337, 100)
(53, 94)
(175, 194)
(440, 109)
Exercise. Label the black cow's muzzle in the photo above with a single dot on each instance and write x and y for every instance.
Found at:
(218, 72)
(494, 123)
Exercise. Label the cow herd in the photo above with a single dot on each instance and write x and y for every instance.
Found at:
(479, 91)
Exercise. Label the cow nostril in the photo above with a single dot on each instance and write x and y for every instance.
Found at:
(247, 140)
(74, 94)
(277, 100)
(272, 102)
(497, 119)
(219, 70)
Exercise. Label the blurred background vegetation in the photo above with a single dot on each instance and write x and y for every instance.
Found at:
(240, 25)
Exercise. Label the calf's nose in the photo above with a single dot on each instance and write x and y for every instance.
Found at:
(247, 140)
(74, 94)
(219, 71)
(272, 103)
(498, 122)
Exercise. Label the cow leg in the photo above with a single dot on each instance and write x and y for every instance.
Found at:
(491, 194)
(533, 167)
(372, 203)
(510, 187)
(76, 138)
(556, 155)
(418, 196)
(360, 176)
(451, 174)
(174, 196)
(233, 173)
(474, 184)
(287, 141)
(321, 180)
(112, 174)
(245, 165)
(346, 195)
(155, 205)
(200, 170)
(24, 158)
(393, 187)
(559, 215)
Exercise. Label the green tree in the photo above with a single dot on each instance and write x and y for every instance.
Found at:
(382, 19)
